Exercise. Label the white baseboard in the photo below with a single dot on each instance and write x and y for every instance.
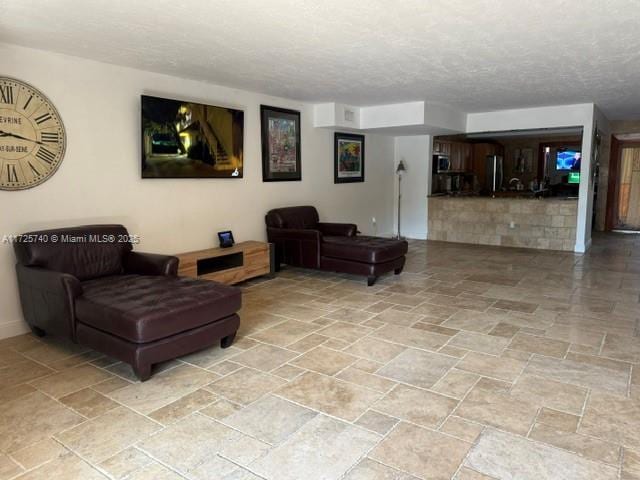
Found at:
(411, 236)
(13, 329)
(415, 236)
(582, 247)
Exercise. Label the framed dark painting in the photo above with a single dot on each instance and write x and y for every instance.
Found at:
(280, 144)
(348, 158)
(182, 139)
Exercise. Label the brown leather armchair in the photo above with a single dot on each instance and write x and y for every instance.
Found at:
(301, 240)
(86, 283)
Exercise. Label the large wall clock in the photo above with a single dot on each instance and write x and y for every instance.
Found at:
(32, 136)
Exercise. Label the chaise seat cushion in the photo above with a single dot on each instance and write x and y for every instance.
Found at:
(363, 248)
(143, 309)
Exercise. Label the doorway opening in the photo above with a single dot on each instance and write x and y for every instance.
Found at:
(623, 198)
(628, 211)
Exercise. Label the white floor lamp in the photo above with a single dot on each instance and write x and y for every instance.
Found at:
(400, 169)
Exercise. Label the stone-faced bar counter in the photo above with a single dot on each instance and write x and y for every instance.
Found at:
(548, 223)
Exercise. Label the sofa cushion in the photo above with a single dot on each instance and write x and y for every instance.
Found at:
(86, 252)
(293, 217)
(363, 248)
(142, 309)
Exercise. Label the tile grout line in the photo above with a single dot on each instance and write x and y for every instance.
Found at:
(381, 367)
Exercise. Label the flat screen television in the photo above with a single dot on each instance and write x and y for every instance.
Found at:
(183, 139)
(568, 159)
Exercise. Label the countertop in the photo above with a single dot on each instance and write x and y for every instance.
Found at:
(504, 196)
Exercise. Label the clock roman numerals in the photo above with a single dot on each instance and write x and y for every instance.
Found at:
(34, 169)
(49, 137)
(43, 118)
(46, 155)
(32, 136)
(6, 94)
(12, 173)
(26, 104)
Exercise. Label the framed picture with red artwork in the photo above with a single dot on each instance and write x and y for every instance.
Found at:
(348, 158)
(280, 144)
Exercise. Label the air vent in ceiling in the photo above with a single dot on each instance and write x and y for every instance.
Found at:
(349, 115)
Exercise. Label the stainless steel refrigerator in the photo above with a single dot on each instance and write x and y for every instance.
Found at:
(494, 166)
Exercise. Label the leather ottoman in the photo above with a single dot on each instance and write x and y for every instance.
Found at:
(363, 255)
(146, 320)
(142, 309)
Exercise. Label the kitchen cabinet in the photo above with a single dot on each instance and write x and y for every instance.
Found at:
(454, 157)
(460, 154)
(460, 157)
(442, 147)
(467, 157)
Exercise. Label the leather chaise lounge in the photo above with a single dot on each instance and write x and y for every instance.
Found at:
(90, 286)
(301, 240)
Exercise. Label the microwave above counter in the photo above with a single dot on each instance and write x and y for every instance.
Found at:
(441, 163)
(446, 164)
(452, 157)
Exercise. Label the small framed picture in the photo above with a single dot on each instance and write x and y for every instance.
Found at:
(226, 239)
(523, 160)
(280, 144)
(348, 158)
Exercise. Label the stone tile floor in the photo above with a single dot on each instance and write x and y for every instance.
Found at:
(475, 363)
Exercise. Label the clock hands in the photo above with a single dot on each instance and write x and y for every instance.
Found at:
(7, 134)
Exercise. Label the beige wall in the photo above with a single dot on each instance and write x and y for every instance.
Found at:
(545, 224)
(99, 179)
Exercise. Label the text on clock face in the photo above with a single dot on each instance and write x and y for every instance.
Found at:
(14, 149)
(11, 120)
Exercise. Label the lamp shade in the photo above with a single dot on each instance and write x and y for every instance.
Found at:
(400, 168)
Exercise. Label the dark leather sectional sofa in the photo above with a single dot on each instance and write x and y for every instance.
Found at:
(100, 293)
(302, 240)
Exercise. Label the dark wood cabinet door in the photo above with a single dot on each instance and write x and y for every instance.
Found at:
(480, 152)
(467, 159)
(455, 157)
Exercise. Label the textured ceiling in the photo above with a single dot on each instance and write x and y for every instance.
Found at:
(475, 55)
